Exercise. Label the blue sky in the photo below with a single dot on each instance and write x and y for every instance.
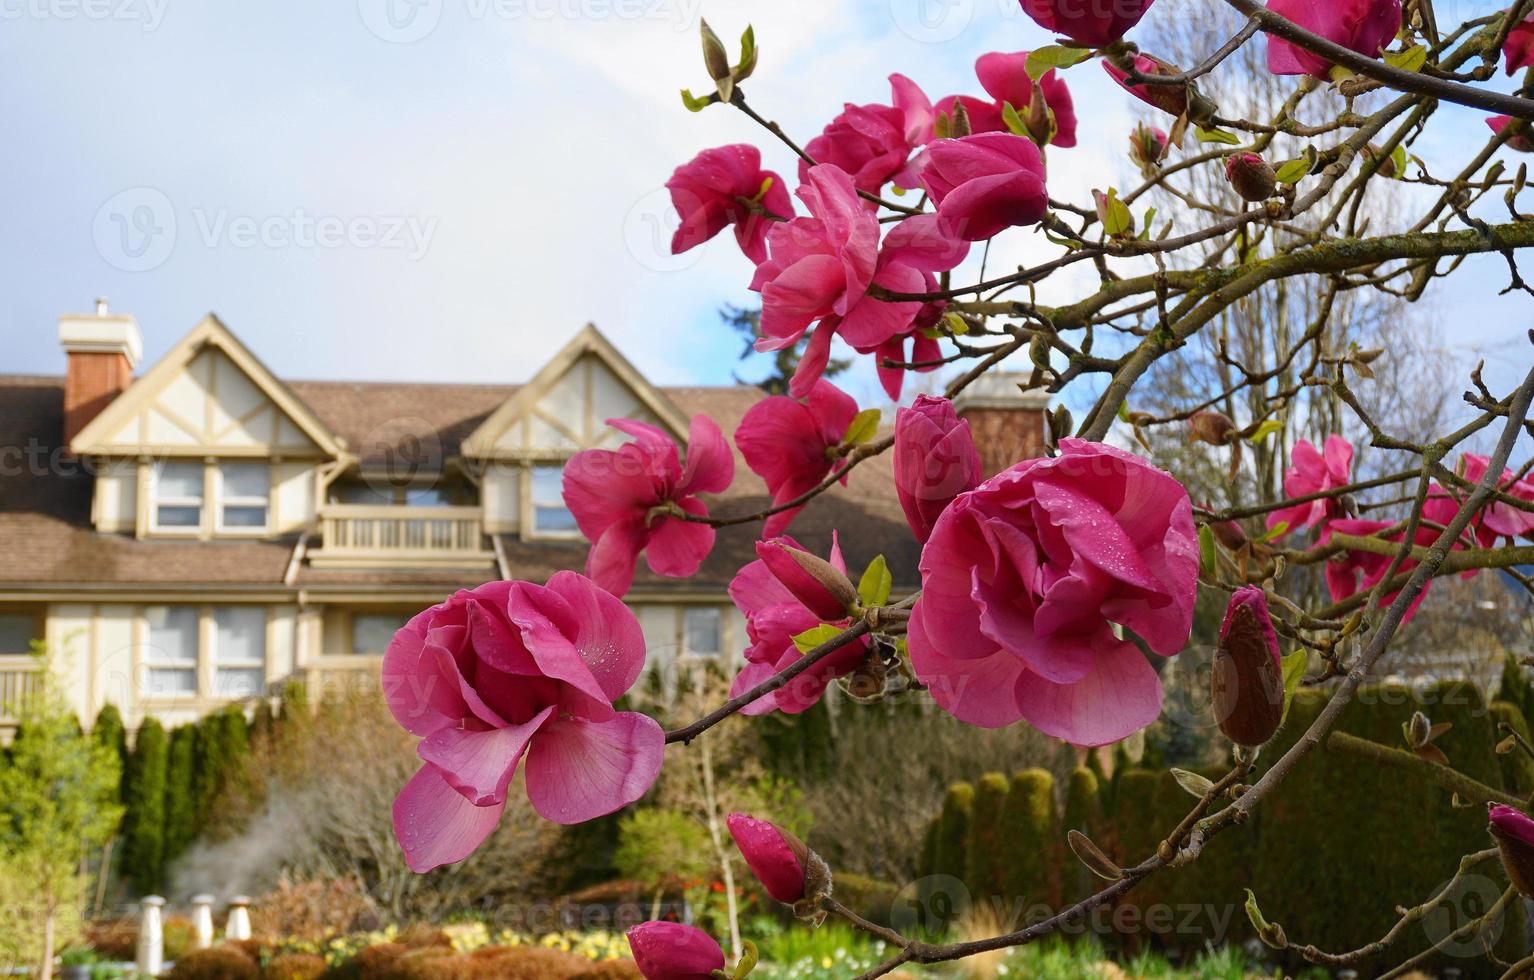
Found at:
(449, 194)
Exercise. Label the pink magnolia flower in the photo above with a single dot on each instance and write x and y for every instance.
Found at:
(1359, 571)
(1365, 26)
(924, 351)
(715, 189)
(625, 502)
(791, 444)
(512, 670)
(1519, 48)
(1005, 79)
(1090, 23)
(986, 183)
(775, 856)
(1312, 472)
(1521, 140)
(774, 616)
(1022, 577)
(1501, 519)
(872, 143)
(1171, 99)
(673, 951)
(819, 270)
(935, 461)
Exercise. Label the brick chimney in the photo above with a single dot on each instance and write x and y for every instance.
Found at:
(1007, 422)
(103, 349)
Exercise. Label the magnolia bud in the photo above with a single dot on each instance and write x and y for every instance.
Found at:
(1514, 834)
(1230, 534)
(1387, 165)
(671, 950)
(1251, 176)
(1147, 145)
(715, 58)
(1418, 730)
(959, 125)
(1247, 681)
(1214, 428)
(1040, 121)
(789, 871)
(823, 588)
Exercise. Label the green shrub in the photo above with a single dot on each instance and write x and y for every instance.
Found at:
(952, 849)
(984, 869)
(1030, 850)
(1515, 687)
(1516, 766)
(1083, 813)
(1135, 834)
(180, 809)
(1340, 820)
(1205, 896)
(109, 731)
(216, 963)
(144, 796)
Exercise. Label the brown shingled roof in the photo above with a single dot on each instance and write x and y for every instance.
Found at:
(45, 510)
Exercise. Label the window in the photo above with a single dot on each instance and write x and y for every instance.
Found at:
(239, 652)
(244, 492)
(178, 495)
(17, 631)
(427, 497)
(700, 632)
(550, 515)
(371, 632)
(170, 662)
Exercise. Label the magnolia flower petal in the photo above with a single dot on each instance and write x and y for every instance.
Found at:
(479, 765)
(435, 825)
(581, 770)
(1120, 696)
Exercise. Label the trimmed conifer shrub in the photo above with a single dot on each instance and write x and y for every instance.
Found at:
(144, 795)
(180, 808)
(1030, 847)
(984, 868)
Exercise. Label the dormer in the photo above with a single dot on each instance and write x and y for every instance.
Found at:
(522, 447)
(207, 444)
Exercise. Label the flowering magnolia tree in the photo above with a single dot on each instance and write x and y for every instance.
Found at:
(1047, 589)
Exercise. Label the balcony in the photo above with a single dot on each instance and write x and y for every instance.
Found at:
(378, 536)
(20, 679)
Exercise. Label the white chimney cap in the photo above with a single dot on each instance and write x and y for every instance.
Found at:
(102, 333)
(1000, 389)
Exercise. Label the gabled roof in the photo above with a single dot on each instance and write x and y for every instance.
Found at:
(210, 333)
(589, 342)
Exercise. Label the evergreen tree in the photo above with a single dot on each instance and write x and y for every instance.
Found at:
(984, 872)
(110, 733)
(1030, 839)
(180, 808)
(785, 362)
(144, 794)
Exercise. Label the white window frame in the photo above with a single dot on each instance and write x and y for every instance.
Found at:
(156, 501)
(533, 503)
(687, 651)
(194, 666)
(206, 665)
(223, 501)
(217, 665)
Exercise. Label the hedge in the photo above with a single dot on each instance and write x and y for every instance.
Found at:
(988, 836)
(110, 731)
(1083, 813)
(144, 796)
(180, 807)
(1030, 851)
(1346, 841)
(1516, 765)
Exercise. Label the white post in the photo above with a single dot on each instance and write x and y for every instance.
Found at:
(202, 920)
(150, 959)
(238, 925)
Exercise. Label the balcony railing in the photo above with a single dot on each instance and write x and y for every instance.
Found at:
(20, 678)
(365, 534)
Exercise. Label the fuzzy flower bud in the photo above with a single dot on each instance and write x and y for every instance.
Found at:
(1214, 428)
(1147, 144)
(1514, 834)
(789, 871)
(1247, 682)
(820, 586)
(1251, 176)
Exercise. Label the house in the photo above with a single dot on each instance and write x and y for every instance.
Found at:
(203, 532)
